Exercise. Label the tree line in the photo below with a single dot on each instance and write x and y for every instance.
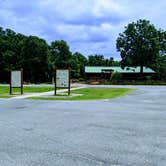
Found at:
(141, 44)
(40, 59)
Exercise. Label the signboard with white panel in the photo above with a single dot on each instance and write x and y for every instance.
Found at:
(62, 79)
(16, 80)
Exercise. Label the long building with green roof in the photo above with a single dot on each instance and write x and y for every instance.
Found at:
(100, 69)
(101, 72)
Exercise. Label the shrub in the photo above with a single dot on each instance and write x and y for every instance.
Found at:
(148, 78)
(115, 77)
(81, 79)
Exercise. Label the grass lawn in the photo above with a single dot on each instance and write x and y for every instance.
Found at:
(92, 94)
(4, 90)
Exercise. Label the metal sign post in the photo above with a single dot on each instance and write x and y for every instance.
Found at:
(16, 80)
(62, 79)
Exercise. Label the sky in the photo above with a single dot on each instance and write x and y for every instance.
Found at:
(88, 26)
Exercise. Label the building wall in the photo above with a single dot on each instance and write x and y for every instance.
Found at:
(125, 76)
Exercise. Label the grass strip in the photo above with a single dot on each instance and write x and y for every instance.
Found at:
(4, 90)
(92, 94)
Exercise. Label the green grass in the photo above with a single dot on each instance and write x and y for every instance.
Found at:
(29, 89)
(92, 94)
(37, 89)
(4, 90)
(5, 96)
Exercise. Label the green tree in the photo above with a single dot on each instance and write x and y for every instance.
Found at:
(9, 53)
(138, 44)
(162, 39)
(100, 60)
(60, 55)
(96, 60)
(78, 63)
(112, 62)
(162, 67)
(9, 60)
(34, 53)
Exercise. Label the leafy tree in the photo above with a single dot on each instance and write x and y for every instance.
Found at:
(78, 62)
(112, 62)
(9, 53)
(116, 63)
(99, 60)
(9, 60)
(138, 44)
(162, 39)
(160, 67)
(96, 60)
(60, 55)
(34, 54)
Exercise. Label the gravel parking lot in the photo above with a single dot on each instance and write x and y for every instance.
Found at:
(126, 131)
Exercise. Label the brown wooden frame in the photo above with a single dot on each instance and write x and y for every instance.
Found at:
(21, 87)
(55, 93)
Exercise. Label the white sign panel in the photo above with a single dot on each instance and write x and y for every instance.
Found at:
(62, 78)
(16, 79)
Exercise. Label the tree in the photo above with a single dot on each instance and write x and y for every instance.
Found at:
(78, 62)
(99, 60)
(9, 62)
(162, 67)
(96, 60)
(9, 53)
(34, 52)
(115, 77)
(111, 62)
(162, 40)
(138, 44)
(60, 55)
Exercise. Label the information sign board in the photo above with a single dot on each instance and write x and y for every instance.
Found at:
(16, 80)
(62, 79)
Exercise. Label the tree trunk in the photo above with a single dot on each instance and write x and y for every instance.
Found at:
(141, 69)
(141, 72)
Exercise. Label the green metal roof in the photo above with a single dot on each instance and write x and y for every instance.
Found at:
(98, 69)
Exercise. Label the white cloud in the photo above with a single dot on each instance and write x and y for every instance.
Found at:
(104, 7)
(90, 26)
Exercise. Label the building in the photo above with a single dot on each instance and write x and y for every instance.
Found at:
(97, 73)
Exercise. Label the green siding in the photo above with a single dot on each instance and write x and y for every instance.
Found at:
(98, 69)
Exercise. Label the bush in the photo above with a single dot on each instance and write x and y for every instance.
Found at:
(148, 78)
(115, 77)
(81, 79)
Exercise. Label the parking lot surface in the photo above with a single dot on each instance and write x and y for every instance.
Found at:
(126, 131)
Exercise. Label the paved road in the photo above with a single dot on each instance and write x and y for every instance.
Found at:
(127, 131)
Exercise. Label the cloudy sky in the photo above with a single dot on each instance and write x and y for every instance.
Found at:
(89, 26)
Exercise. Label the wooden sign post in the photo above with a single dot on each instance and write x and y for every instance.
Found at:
(16, 80)
(62, 79)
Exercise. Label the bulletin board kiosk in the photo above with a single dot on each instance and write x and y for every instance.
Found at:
(16, 80)
(62, 79)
